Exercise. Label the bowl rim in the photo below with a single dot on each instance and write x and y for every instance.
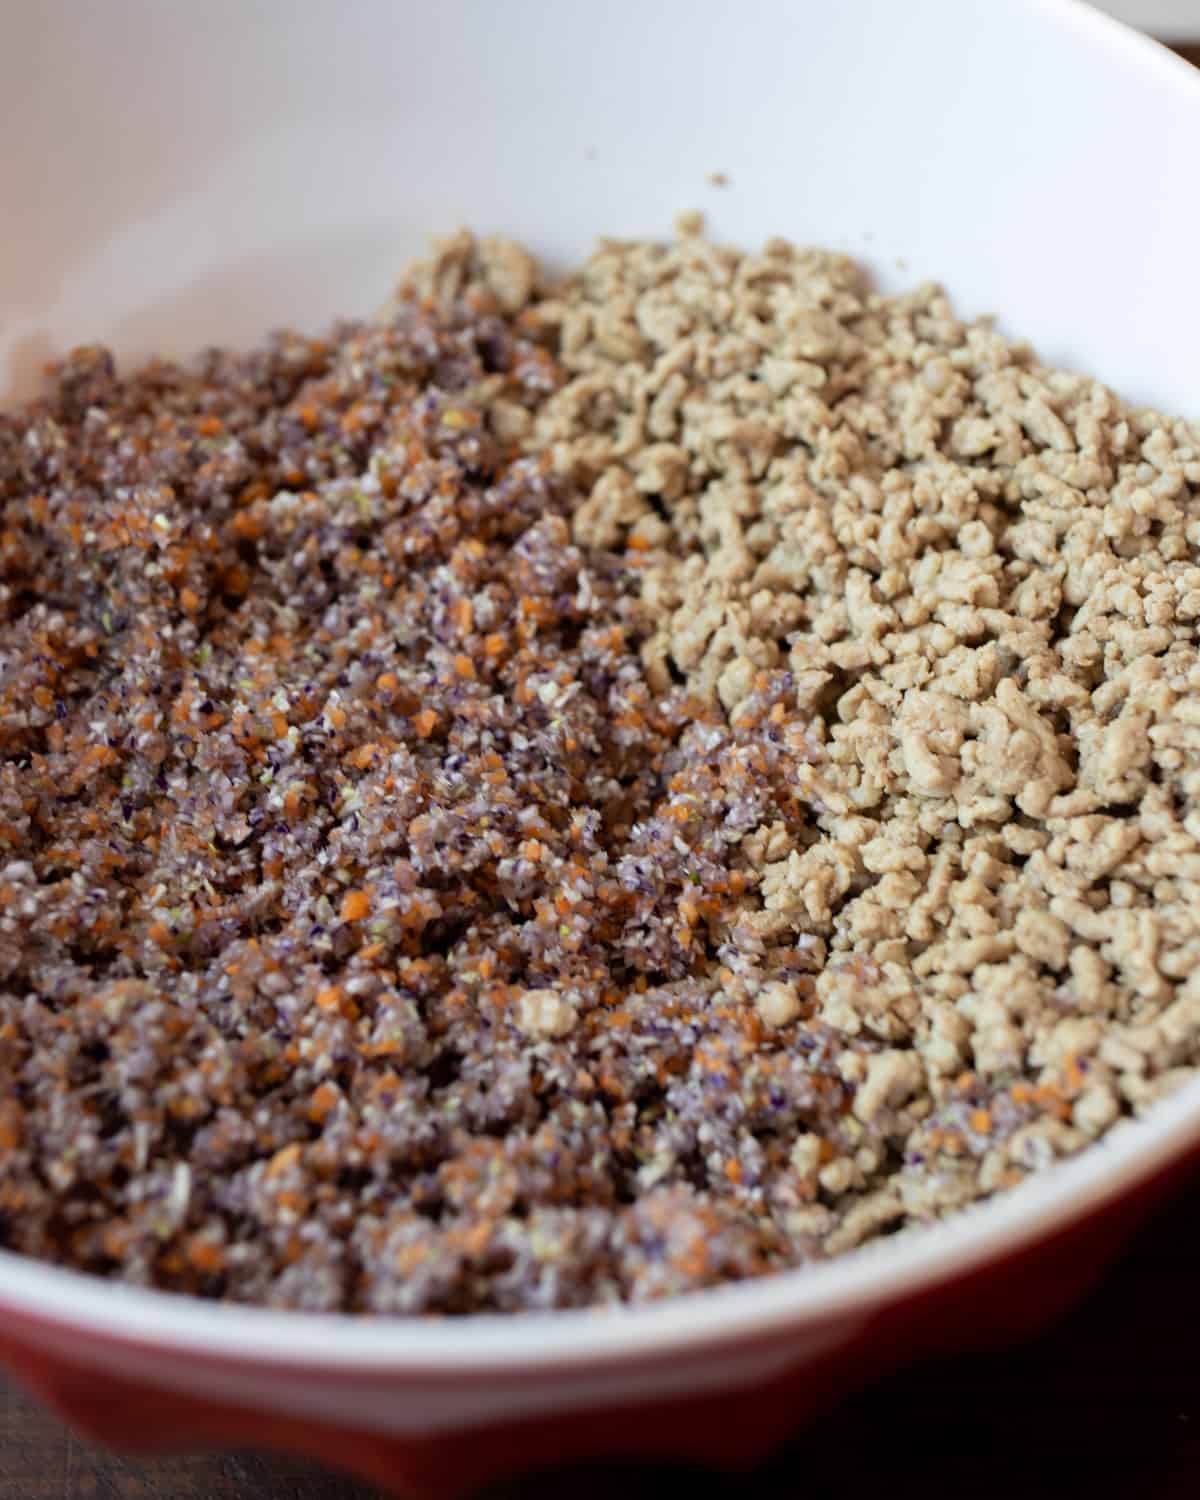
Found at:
(847, 1288)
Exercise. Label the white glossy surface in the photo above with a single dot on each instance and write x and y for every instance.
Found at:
(482, 1349)
(179, 183)
(1177, 19)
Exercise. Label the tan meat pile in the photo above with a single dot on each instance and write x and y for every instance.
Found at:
(981, 575)
(577, 792)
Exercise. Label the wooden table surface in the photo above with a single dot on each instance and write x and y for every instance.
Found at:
(1106, 1405)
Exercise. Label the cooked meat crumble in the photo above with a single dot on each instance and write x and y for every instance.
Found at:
(525, 803)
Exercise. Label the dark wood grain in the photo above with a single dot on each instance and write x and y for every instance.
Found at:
(1107, 1405)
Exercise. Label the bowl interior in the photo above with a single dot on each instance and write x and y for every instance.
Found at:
(181, 185)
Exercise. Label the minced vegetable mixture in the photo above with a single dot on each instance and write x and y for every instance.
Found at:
(577, 791)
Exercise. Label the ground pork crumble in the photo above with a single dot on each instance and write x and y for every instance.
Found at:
(573, 792)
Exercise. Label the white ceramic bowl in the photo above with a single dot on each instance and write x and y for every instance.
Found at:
(173, 177)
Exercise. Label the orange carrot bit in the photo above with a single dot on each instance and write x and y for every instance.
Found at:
(159, 934)
(637, 543)
(387, 682)
(248, 525)
(355, 419)
(980, 1121)
(257, 489)
(464, 666)
(329, 999)
(356, 905)
(237, 581)
(425, 723)
(537, 608)
(733, 1170)
(336, 716)
(210, 426)
(283, 1160)
(43, 697)
(693, 1260)
(323, 1102)
(11, 1119)
(532, 849)
(279, 724)
(293, 1201)
(463, 614)
(1021, 1093)
(309, 415)
(477, 1239)
(115, 1238)
(205, 1256)
(610, 1084)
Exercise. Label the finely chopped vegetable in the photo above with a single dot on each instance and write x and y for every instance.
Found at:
(572, 793)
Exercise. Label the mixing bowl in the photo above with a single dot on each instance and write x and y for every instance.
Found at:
(173, 178)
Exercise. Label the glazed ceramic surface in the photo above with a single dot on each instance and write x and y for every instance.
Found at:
(168, 184)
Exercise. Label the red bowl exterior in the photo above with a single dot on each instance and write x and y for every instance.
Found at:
(1004, 1301)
